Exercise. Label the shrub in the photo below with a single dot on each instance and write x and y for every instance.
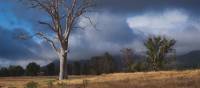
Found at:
(32, 84)
(62, 85)
(50, 83)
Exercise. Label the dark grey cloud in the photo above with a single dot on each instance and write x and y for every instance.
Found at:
(21, 52)
(13, 48)
(138, 6)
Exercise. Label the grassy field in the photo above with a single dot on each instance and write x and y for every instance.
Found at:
(162, 79)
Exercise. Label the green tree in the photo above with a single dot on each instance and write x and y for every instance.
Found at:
(16, 70)
(157, 49)
(50, 69)
(76, 68)
(95, 65)
(102, 64)
(108, 63)
(32, 69)
(4, 72)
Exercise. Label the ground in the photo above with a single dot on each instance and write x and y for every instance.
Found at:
(161, 79)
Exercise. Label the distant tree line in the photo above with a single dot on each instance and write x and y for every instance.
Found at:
(32, 69)
(95, 66)
(160, 55)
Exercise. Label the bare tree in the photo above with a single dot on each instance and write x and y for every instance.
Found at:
(127, 58)
(65, 15)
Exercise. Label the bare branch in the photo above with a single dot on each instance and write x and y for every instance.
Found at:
(73, 13)
(62, 17)
(51, 42)
(49, 25)
(89, 19)
(25, 36)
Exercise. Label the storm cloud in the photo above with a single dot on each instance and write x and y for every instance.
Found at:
(13, 49)
(139, 6)
(120, 24)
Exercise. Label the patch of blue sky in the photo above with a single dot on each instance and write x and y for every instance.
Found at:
(10, 22)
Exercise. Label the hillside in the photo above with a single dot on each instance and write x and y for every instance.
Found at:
(191, 59)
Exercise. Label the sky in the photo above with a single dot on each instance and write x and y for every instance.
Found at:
(119, 24)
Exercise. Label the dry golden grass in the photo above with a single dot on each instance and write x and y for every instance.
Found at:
(162, 79)
(19, 82)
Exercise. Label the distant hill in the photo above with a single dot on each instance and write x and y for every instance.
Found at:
(191, 59)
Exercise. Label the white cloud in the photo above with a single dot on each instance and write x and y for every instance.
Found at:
(172, 23)
(159, 23)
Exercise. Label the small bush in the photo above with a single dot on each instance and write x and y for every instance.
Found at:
(62, 85)
(32, 84)
(50, 83)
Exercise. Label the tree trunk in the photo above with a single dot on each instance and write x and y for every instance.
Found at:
(63, 66)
